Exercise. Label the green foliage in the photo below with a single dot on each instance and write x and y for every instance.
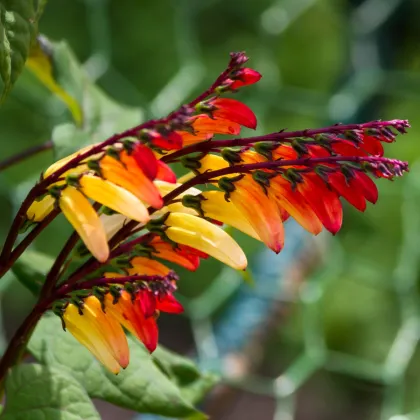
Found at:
(165, 383)
(35, 391)
(31, 269)
(18, 22)
(94, 115)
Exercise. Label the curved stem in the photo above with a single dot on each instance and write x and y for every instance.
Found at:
(16, 348)
(54, 273)
(19, 157)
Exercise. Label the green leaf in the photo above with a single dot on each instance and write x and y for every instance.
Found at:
(39, 7)
(40, 392)
(194, 385)
(164, 384)
(31, 269)
(40, 64)
(18, 27)
(95, 116)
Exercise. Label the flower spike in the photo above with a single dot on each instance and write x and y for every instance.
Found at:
(132, 212)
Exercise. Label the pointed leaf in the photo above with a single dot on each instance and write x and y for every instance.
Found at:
(147, 385)
(17, 32)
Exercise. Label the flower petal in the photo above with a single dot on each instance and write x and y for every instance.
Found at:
(235, 111)
(169, 304)
(114, 197)
(131, 316)
(147, 266)
(129, 176)
(200, 234)
(99, 332)
(216, 207)
(165, 173)
(182, 255)
(295, 204)
(260, 211)
(39, 210)
(82, 216)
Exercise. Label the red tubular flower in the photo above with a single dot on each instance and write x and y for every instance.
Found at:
(233, 110)
(168, 141)
(244, 77)
(146, 160)
(165, 173)
(169, 304)
(130, 313)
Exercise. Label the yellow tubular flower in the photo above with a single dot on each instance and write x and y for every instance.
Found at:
(39, 210)
(216, 207)
(114, 197)
(99, 332)
(83, 217)
(200, 234)
(60, 163)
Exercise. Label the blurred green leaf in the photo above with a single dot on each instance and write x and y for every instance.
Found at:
(31, 269)
(17, 32)
(41, 65)
(95, 116)
(40, 6)
(194, 385)
(164, 384)
(34, 391)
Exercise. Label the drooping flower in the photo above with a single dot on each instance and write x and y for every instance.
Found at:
(100, 332)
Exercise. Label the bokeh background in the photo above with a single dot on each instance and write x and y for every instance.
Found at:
(330, 328)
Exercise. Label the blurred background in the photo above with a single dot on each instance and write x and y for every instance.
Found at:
(330, 328)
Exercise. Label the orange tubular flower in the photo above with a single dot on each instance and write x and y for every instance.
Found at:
(127, 174)
(182, 255)
(205, 128)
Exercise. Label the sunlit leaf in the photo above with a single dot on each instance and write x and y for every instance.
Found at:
(165, 383)
(39, 62)
(43, 392)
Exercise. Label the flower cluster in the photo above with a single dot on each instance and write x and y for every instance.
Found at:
(131, 211)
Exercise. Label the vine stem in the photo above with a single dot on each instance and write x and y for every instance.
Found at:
(17, 345)
(31, 151)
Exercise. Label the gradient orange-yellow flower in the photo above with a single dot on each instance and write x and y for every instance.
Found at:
(99, 332)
